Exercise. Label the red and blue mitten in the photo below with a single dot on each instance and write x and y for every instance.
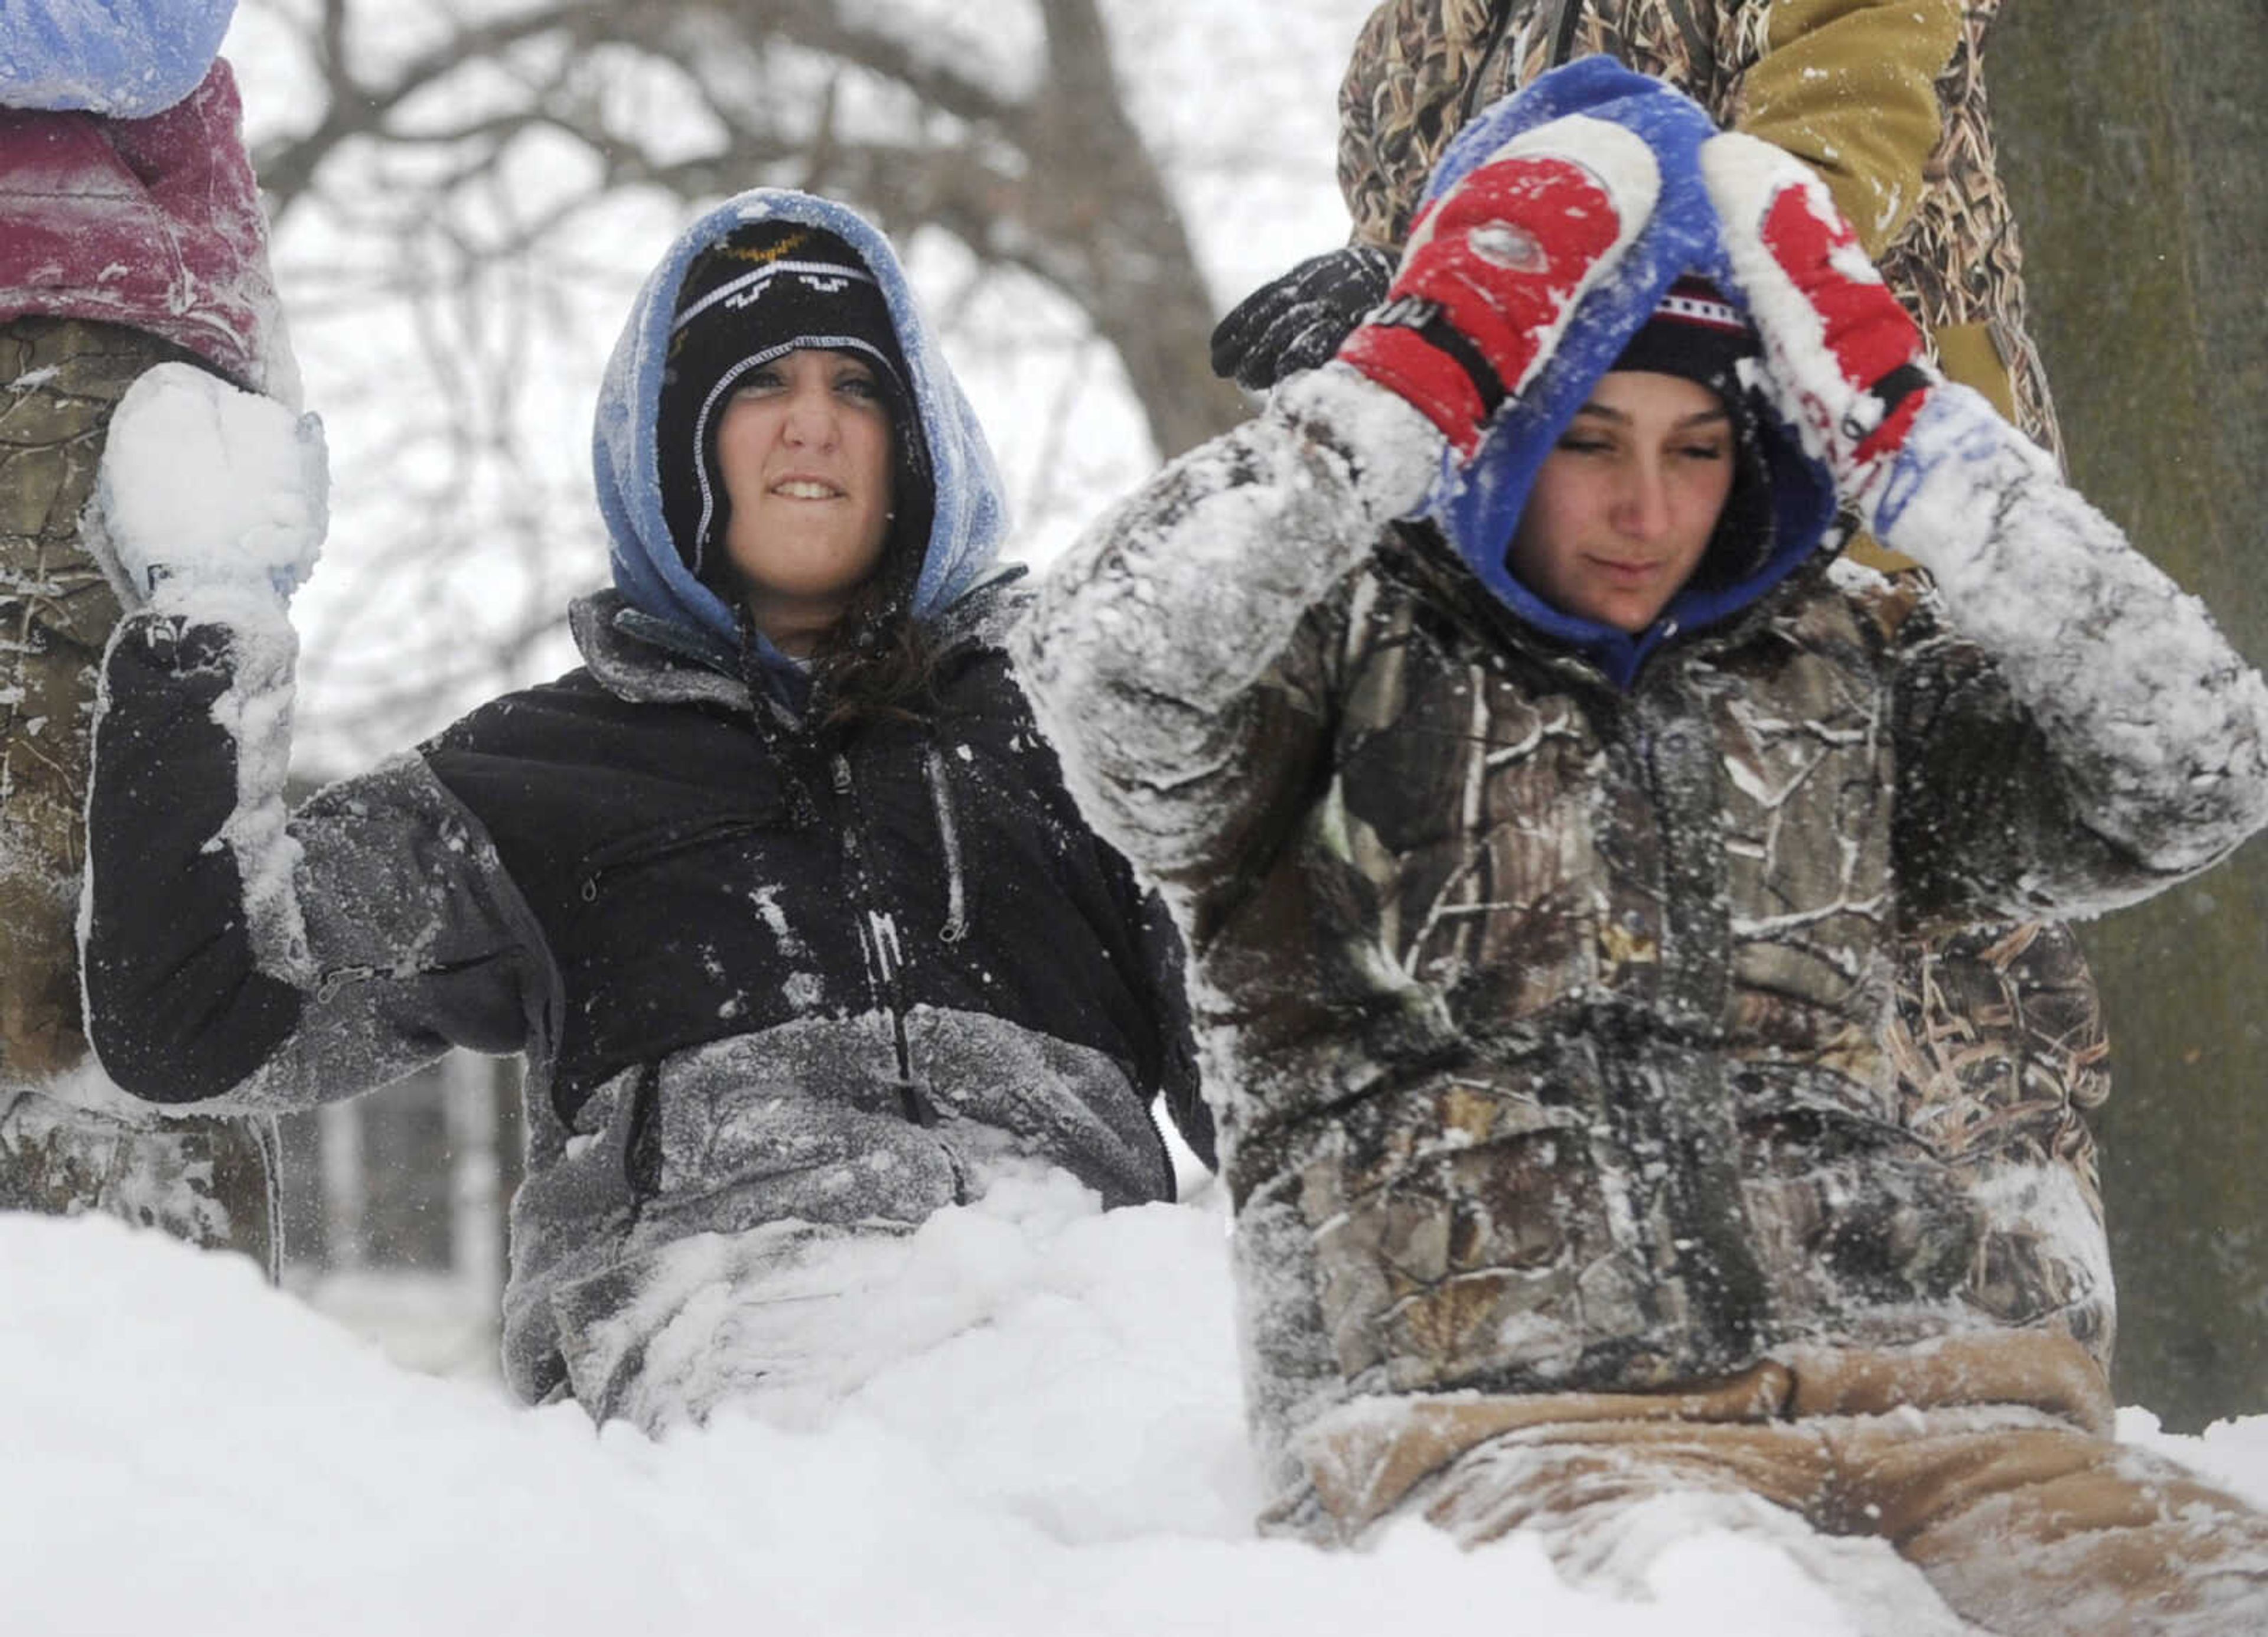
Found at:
(1847, 366)
(1497, 265)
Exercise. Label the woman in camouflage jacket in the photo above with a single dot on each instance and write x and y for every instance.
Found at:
(1998, 1037)
(1543, 958)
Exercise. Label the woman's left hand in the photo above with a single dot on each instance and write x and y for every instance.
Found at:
(1846, 364)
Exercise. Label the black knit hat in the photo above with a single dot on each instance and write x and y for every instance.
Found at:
(1695, 333)
(768, 290)
(1698, 335)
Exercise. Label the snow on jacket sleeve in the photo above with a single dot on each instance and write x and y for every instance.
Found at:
(128, 59)
(2069, 652)
(1162, 653)
(236, 959)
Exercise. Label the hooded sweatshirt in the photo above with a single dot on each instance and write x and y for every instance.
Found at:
(781, 987)
(1542, 985)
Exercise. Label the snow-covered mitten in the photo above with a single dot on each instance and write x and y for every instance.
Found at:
(205, 489)
(1496, 266)
(1846, 364)
(1297, 322)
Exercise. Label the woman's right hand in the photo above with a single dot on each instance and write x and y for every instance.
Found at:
(1848, 365)
(1497, 265)
(204, 486)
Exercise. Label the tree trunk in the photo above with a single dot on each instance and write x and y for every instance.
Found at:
(2132, 139)
(1102, 198)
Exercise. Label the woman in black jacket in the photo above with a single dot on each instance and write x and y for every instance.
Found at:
(780, 893)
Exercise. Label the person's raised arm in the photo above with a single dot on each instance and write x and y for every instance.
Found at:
(2136, 752)
(1179, 654)
(230, 956)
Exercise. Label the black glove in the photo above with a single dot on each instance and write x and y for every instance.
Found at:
(1297, 322)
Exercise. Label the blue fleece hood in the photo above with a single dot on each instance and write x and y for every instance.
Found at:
(1478, 504)
(971, 514)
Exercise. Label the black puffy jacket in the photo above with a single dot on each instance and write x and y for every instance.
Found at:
(762, 973)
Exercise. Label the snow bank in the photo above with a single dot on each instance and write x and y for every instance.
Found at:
(1057, 1450)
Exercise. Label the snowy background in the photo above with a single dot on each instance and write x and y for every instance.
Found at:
(1044, 1435)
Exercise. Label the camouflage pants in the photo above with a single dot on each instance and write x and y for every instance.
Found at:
(208, 1181)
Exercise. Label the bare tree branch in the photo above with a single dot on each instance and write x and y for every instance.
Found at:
(428, 158)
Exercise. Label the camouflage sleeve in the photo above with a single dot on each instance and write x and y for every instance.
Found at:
(1179, 656)
(1402, 97)
(1850, 87)
(1361, 167)
(2074, 732)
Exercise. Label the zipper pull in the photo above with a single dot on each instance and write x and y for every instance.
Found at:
(842, 773)
(919, 1108)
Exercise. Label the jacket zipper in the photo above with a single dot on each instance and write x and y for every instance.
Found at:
(606, 860)
(956, 888)
(877, 933)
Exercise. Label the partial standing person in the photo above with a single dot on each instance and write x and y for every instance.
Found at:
(1543, 861)
(1885, 100)
(130, 235)
(1998, 1037)
(780, 894)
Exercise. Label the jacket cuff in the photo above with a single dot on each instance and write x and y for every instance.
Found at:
(1392, 453)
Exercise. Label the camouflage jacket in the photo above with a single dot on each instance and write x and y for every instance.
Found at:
(1884, 98)
(1545, 1020)
(777, 985)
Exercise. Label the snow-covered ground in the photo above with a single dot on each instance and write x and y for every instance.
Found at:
(1051, 1446)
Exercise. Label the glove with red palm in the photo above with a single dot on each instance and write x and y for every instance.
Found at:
(1496, 266)
(1846, 364)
